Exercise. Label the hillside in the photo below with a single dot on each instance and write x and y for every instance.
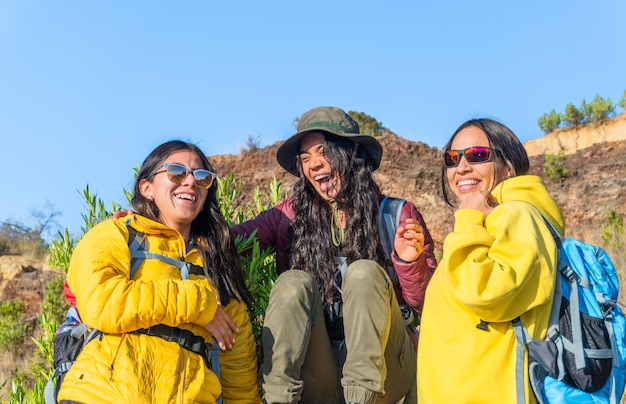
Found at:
(594, 184)
(411, 170)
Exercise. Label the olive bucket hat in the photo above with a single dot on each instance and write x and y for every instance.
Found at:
(329, 120)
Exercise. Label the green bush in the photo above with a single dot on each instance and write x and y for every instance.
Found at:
(13, 328)
(367, 124)
(549, 122)
(599, 109)
(573, 116)
(554, 167)
(622, 101)
(614, 242)
(613, 231)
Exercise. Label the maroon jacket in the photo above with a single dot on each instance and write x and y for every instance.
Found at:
(274, 230)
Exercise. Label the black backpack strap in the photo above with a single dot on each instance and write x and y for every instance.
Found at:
(388, 221)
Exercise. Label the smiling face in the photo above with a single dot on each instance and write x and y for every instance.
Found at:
(316, 168)
(466, 178)
(178, 204)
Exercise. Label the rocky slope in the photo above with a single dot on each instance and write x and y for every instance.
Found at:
(594, 184)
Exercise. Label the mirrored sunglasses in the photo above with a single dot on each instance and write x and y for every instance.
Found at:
(473, 155)
(178, 172)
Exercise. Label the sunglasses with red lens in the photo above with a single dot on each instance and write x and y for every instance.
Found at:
(473, 155)
(178, 172)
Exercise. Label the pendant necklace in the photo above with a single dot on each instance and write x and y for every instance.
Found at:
(335, 225)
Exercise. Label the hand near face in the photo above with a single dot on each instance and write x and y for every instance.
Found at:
(409, 241)
(482, 201)
(222, 327)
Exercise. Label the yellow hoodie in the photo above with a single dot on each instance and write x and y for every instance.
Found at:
(122, 366)
(494, 269)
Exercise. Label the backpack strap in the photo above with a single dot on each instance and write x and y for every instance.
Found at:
(138, 246)
(388, 221)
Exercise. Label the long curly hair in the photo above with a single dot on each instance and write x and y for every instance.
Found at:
(313, 250)
(209, 231)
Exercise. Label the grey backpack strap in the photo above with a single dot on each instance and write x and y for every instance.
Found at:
(136, 243)
(138, 246)
(388, 221)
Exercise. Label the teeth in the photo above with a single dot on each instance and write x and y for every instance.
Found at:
(321, 177)
(467, 182)
(186, 196)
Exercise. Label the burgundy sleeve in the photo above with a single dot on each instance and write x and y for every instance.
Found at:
(414, 276)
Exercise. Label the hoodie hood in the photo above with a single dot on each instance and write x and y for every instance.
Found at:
(530, 189)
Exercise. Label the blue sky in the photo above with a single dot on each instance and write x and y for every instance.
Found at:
(88, 89)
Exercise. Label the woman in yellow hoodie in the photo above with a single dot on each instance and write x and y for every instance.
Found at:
(499, 263)
(153, 323)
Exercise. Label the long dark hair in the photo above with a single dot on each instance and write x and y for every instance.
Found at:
(500, 137)
(313, 249)
(209, 231)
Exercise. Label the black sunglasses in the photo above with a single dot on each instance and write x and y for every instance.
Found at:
(178, 172)
(473, 155)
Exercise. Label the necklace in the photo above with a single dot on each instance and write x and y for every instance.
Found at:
(335, 223)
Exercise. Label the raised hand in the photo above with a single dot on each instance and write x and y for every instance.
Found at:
(409, 240)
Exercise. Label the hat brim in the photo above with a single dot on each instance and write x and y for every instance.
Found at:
(288, 151)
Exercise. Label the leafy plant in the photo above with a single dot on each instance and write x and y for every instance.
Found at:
(554, 167)
(599, 109)
(622, 101)
(573, 116)
(13, 328)
(614, 240)
(549, 122)
(367, 124)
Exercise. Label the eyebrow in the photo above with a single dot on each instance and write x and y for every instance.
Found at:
(319, 146)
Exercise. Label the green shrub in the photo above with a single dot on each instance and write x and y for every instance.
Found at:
(367, 124)
(599, 109)
(573, 116)
(614, 242)
(549, 122)
(613, 231)
(622, 101)
(13, 328)
(553, 167)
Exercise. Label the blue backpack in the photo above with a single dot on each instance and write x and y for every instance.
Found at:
(582, 359)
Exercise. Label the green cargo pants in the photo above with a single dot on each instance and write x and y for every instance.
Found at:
(377, 363)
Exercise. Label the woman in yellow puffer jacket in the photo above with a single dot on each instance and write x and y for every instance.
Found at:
(141, 357)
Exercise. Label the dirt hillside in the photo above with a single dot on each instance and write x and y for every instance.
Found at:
(594, 184)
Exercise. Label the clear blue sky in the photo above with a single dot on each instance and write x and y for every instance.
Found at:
(88, 89)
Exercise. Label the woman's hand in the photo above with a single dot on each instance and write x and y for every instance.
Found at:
(409, 241)
(222, 327)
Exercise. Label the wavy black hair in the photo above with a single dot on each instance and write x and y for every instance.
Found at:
(313, 250)
(209, 231)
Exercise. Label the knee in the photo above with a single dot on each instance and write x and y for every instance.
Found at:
(294, 285)
(364, 273)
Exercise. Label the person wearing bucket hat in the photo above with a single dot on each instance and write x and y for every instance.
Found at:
(333, 329)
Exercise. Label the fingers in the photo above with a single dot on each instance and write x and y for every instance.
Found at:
(409, 242)
(223, 328)
(410, 230)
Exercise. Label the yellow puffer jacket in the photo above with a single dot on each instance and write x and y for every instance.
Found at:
(122, 366)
